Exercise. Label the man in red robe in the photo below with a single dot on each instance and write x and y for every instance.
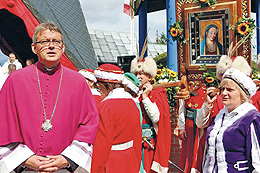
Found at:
(91, 81)
(48, 114)
(188, 131)
(117, 147)
(156, 127)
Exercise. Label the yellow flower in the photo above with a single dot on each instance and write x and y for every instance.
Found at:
(173, 32)
(163, 82)
(202, 0)
(242, 28)
(159, 72)
(209, 79)
(167, 70)
(153, 81)
(172, 73)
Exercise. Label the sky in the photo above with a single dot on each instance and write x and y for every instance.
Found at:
(107, 15)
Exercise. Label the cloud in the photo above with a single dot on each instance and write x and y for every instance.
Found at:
(108, 15)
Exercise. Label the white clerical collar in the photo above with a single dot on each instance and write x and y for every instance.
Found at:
(48, 69)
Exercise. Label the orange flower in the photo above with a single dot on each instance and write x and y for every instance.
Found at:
(202, 0)
(173, 32)
(159, 72)
(153, 81)
(172, 73)
(209, 79)
(242, 28)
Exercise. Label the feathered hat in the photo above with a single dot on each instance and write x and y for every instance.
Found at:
(146, 65)
(109, 73)
(88, 74)
(238, 62)
(143, 64)
(227, 61)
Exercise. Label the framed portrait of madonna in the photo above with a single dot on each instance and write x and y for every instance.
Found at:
(209, 36)
(208, 32)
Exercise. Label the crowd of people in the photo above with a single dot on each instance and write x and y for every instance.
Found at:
(54, 119)
(11, 65)
(94, 120)
(220, 132)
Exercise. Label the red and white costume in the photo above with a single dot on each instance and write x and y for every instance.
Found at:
(89, 74)
(192, 148)
(155, 110)
(117, 147)
(156, 126)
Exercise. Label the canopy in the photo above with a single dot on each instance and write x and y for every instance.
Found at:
(19, 18)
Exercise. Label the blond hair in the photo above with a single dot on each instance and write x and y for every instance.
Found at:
(243, 95)
(45, 26)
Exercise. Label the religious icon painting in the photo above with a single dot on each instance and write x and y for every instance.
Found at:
(209, 36)
(208, 32)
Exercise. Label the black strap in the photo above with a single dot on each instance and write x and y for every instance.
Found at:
(72, 165)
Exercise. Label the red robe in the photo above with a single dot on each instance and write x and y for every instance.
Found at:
(191, 149)
(75, 117)
(200, 137)
(256, 100)
(119, 123)
(162, 141)
(97, 96)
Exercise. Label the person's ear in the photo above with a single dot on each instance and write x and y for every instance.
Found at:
(33, 46)
(63, 47)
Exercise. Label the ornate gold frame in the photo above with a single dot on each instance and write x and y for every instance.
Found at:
(236, 8)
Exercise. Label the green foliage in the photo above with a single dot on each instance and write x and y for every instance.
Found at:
(177, 32)
(255, 71)
(161, 39)
(209, 77)
(161, 60)
(244, 28)
(206, 3)
(165, 75)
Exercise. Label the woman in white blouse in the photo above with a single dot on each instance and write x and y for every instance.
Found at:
(233, 136)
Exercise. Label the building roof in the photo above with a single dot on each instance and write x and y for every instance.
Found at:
(108, 45)
(68, 16)
(152, 5)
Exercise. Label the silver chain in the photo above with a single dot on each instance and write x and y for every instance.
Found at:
(41, 93)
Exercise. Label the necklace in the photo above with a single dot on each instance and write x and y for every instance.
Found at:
(211, 47)
(46, 125)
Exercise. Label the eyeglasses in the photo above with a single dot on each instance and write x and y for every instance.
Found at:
(48, 42)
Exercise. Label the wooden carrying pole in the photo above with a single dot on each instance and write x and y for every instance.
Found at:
(184, 92)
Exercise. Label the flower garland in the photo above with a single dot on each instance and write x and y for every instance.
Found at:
(177, 32)
(209, 77)
(206, 3)
(165, 75)
(244, 28)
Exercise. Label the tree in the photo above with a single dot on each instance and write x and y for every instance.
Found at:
(161, 60)
(162, 39)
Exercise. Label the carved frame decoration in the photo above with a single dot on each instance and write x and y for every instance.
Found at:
(225, 12)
